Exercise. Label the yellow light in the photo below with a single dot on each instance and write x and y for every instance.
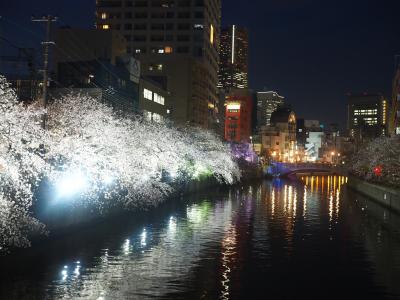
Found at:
(332, 153)
(233, 106)
(274, 153)
(104, 16)
(212, 34)
(106, 26)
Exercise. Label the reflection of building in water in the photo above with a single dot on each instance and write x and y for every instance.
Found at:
(330, 188)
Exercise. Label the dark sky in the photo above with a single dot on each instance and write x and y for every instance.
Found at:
(312, 52)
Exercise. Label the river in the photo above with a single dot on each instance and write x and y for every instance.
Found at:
(306, 239)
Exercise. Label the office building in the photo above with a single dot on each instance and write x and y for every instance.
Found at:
(394, 124)
(87, 59)
(367, 116)
(267, 103)
(233, 64)
(177, 43)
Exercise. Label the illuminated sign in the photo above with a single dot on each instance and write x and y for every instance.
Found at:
(233, 106)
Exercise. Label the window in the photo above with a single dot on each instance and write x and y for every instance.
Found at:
(104, 16)
(183, 26)
(148, 94)
(105, 26)
(159, 99)
(168, 49)
(147, 115)
(157, 38)
(155, 67)
(157, 118)
(139, 38)
(183, 38)
(141, 26)
(141, 15)
(157, 26)
(183, 50)
(199, 15)
(141, 4)
(184, 15)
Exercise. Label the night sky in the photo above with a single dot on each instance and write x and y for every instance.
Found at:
(312, 52)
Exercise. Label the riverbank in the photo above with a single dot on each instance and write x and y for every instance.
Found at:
(386, 196)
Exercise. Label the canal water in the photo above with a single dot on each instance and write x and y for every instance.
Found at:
(306, 239)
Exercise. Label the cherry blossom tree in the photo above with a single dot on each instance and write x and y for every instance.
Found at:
(382, 153)
(92, 153)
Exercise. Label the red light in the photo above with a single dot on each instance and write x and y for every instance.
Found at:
(378, 171)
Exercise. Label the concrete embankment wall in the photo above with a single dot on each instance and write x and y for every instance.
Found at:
(386, 196)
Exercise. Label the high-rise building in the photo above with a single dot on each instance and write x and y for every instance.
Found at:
(367, 116)
(267, 103)
(177, 43)
(394, 125)
(233, 65)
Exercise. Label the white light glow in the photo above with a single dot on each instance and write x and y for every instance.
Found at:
(72, 184)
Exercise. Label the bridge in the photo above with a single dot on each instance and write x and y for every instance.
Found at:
(279, 169)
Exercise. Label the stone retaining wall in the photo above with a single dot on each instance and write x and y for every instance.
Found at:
(386, 196)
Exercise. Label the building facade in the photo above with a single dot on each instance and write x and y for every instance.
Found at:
(20, 71)
(367, 116)
(267, 103)
(233, 65)
(154, 101)
(94, 59)
(238, 110)
(279, 138)
(177, 43)
(394, 124)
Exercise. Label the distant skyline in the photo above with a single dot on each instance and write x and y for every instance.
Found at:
(311, 52)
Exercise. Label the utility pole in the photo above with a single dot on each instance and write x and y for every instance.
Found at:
(47, 43)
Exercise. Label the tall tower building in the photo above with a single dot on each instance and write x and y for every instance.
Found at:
(177, 43)
(267, 103)
(233, 66)
(394, 122)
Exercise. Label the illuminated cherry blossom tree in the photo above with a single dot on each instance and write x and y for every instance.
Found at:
(92, 153)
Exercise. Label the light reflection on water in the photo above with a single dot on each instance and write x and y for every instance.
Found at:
(227, 245)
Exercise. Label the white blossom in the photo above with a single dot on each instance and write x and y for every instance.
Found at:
(382, 152)
(104, 158)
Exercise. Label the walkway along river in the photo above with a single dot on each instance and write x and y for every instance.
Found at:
(277, 239)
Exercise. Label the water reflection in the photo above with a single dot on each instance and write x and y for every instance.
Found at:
(229, 245)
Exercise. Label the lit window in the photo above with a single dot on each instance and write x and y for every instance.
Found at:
(104, 16)
(137, 51)
(105, 26)
(147, 115)
(159, 99)
(157, 118)
(148, 94)
(168, 49)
